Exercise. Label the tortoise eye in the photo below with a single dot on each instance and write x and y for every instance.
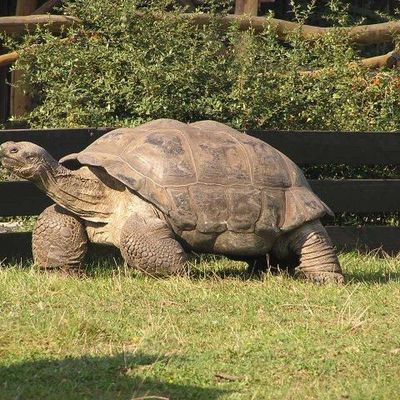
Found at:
(13, 150)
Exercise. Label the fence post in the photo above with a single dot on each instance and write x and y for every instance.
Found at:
(4, 93)
(19, 102)
(249, 7)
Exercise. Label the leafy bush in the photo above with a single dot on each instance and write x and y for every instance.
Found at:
(122, 68)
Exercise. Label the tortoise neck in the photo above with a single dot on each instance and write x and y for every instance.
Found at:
(80, 192)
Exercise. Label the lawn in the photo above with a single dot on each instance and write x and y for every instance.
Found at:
(216, 334)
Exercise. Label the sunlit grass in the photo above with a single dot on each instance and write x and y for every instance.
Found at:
(215, 334)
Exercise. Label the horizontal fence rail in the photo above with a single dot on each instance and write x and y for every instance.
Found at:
(303, 147)
(58, 142)
(21, 198)
(350, 148)
(365, 238)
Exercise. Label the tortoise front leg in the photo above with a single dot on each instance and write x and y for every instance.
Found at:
(59, 240)
(318, 260)
(149, 245)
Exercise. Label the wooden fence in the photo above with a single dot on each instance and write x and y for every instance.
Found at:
(21, 198)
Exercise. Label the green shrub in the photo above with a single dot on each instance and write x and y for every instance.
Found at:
(119, 68)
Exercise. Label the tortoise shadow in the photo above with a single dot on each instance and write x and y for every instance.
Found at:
(106, 377)
(107, 262)
(244, 271)
(234, 270)
(199, 269)
(226, 273)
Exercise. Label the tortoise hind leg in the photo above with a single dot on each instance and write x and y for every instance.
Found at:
(59, 240)
(149, 245)
(318, 261)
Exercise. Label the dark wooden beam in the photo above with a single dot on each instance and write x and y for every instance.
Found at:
(19, 198)
(351, 148)
(366, 238)
(355, 196)
(15, 245)
(18, 245)
(303, 147)
(359, 195)
(58, 142)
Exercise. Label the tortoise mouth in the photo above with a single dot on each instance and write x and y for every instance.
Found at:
(9, 162)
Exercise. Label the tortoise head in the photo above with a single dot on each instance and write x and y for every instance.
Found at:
(26, 160)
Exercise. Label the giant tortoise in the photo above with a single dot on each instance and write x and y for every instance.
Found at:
(166, 187)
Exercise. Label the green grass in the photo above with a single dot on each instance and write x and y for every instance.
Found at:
(117, 335)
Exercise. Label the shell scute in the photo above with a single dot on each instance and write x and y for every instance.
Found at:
(272, 212)
(244, 208)
(162, 157)
(182, 210)
(211, 207)
(219, 158)
(269, 168)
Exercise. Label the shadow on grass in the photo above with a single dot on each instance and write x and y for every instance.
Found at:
(115, 377)
(231, 269)
(202, 270)
(226, 273)
(371, 277)
(203, 266)
(244, 272)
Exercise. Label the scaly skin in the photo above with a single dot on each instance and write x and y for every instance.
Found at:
(318, 260)
(59, 240)
(149, 246)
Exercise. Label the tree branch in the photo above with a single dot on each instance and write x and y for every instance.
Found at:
(363, 34)
(360, 34)
(18, 25)
(8, 59)
(389, 60)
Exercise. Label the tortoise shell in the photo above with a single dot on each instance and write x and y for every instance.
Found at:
(207, 176)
